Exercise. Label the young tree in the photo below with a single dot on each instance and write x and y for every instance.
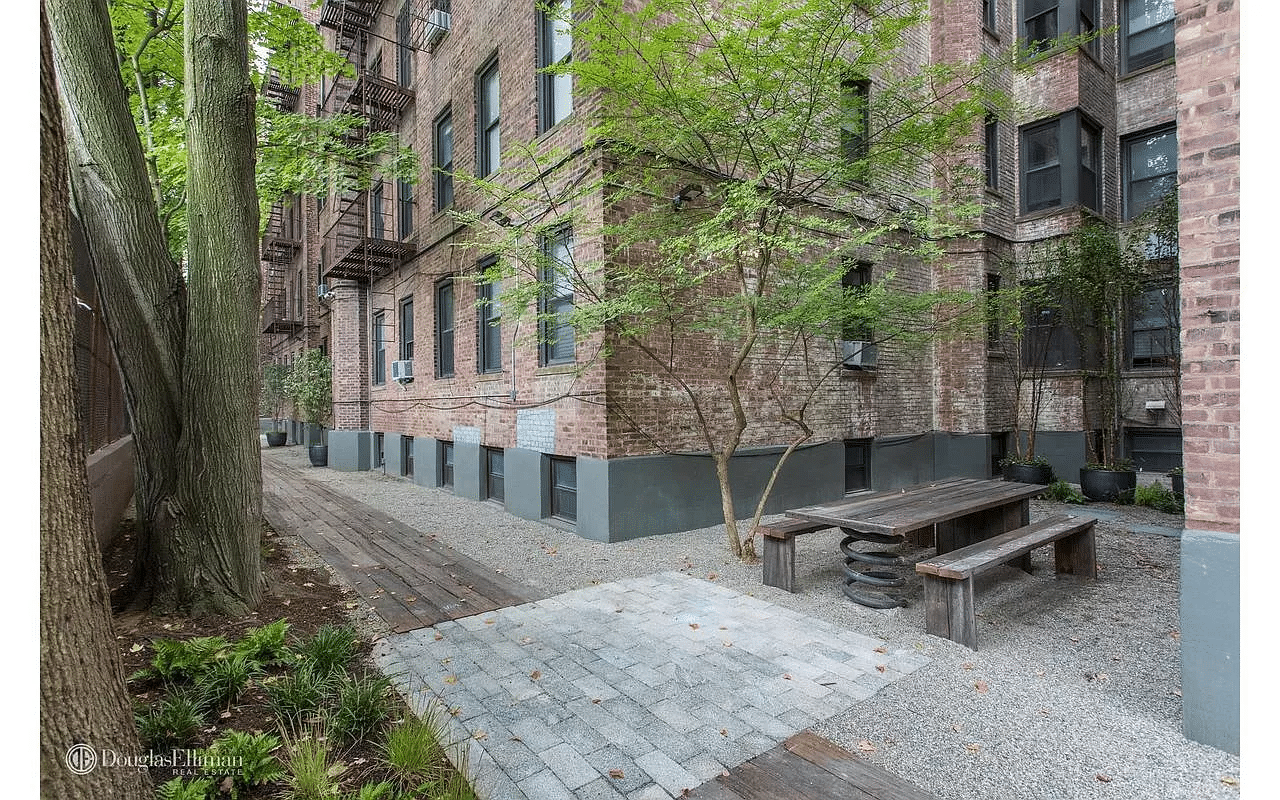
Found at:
(749, 152)
(82, 692)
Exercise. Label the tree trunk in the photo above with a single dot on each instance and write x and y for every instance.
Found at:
(189, 394)
(82, 691)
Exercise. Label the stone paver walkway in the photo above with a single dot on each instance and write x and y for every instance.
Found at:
(636, 689)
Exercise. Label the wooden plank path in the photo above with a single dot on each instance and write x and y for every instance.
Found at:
(409, 578)
(808, 767)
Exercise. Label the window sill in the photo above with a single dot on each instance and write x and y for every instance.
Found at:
(1138, 73)
(557, 369)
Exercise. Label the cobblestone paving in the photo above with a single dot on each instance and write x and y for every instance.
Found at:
(636, 689)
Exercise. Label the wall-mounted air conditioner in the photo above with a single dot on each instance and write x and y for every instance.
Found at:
(858, 354)
(437, 25)
(402, 371)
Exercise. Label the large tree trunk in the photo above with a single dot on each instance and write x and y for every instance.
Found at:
(218, 454)
(82, 691)
(199, 480)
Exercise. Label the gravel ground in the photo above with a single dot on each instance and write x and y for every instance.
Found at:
(1074, 691)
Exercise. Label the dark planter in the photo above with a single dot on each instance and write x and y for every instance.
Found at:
(1176, 480)
(1107, 485)
(276, 438)
(319, 455)
(1029, 473)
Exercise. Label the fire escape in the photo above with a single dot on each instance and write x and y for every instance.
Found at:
(281, 242)
(363, 243)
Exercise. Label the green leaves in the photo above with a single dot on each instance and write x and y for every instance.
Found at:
(310, 385)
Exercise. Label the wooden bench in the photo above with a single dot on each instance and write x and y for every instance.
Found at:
(780, 550)
(948, 577)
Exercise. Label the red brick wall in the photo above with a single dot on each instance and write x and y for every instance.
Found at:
(1208, 75)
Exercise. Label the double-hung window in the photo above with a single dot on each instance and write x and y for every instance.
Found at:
(404, 46)
(555, 48)
(380, 347)
(1061, 162)
(564, 488)
(1150, 169)
(1153, 327)
(406, 329)
(443, 171)
(444, 328)
(991, 141)
(1043, 21)
(494, 471)
(556, 301)
(488, 127)
(377, 222)
(488, 323)
(855, 125)
(1048, 342)
(1146, 33)
(404, 190)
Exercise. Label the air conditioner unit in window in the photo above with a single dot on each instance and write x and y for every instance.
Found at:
(858, 354)
(402, 371)
(438, 24)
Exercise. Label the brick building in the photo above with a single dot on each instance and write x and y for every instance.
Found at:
(428, 387)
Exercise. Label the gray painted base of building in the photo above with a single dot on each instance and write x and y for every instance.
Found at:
(351, 451)
(1210, 628)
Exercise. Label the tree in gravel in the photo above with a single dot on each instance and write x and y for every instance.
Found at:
(82, 692)
(185, 337)
(749, 153)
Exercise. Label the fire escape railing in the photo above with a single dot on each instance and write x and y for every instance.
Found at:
(281, 241)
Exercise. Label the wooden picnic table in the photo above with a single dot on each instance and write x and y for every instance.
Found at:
(946, 515)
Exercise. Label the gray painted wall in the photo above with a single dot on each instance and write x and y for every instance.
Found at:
(1066, 452)
(351, 451)
(525, 476)
(466, 470)
(391, 454)
(426, 461)
(1210, 627)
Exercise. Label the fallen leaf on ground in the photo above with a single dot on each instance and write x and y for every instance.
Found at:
(786, 677)
(880, 667)
(535, 674)
(724, 732)
(596, 700)
(450, 679)
(439, 636)
(982, 687)
(866, 746)
(694, 625)
(490, 621)
(966, 665)
(135, 648)
(882, 649)
(955, 727)
(1105, 778)
(712, 576)
(1175, 635)
(616, 774)
(1229, 780)
(973, 748)
(526, 640)
(479, 736)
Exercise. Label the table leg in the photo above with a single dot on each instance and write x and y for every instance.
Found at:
(971, 528)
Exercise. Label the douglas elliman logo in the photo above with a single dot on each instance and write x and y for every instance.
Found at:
(83, 759)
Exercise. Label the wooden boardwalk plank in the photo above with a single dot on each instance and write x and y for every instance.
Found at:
(408, 577)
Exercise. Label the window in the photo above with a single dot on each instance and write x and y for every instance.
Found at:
(444, 328)
(1043, 21)
(1047, 341)
(488, 134)
(406, 329)
(377, 223)
(494, 488)
(1154, 449)
(993, 309)
(555, 46)
(991, 138)
(999, 451)
(404, 46)
(1061, 163)
(857, 276)
(405, 222)
(380, 347)
(855, 128)
(1150, 169)
(1146, 35)
(989, 15)
(446, 465)
(444, 160)
(378, 459)
(564, 489)
(406, 456)
(857, 465)
(488, 326)
(555, 331)
(1153, 328)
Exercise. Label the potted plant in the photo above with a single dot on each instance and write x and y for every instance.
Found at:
(271, 399)
(310, 385)
(1025, 359)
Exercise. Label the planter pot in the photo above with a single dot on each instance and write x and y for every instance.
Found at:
(319, 455)
(1028, 473)
(1107, 485)
(276, 438)
(1176, 480)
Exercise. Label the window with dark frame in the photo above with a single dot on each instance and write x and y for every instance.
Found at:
(446, 465)
(556, 340)
(1048, 342)
(1146, 33)
(443, 172)
(404, 45)
(404, 192)
(1153, 327)
(1040, 23)
(857, 465)
(991, 140)
(555, 48)
(494, 480)
(1154, 449)
(989, 15)
(564, 488)
(855, 128)
(488, 323)
(378, 456)
(1150, 169)
(377, 222)
(488, 121)
(406, 329)
(993, 309)
(444, 309)
(380, 347)
(1087, 11)
(1061, 163)
(406, 456)
(856, 277)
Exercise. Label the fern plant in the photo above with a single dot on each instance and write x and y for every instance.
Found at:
(252, 756)
(180, 789)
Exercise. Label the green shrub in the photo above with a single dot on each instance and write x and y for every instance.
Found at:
(253, 755)
(179, 789)
(363, 705)
(330, 649)
(1159, 497)
(224, 680)
(266, 645)
(182, 661)
(412, 752)
(171, 722)
(311, 772)
(381, 790)
(1063, 492)
(294, 699)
